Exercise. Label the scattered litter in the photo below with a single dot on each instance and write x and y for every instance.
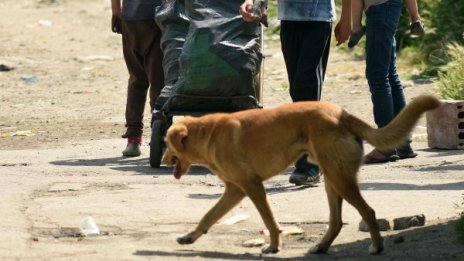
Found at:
(29, 78)
(89, 227)
(234, 219)
(407, 222)
(82, 92)
(383, 223)
(45, 23)
(292, 230)
(256, 242)
(286, 231)
(5, 68)
(407, 84)
(97, 58)
(355, 92)
(87, 68)
(18, 133)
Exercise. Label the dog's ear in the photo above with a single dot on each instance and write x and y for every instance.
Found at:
(177, 135)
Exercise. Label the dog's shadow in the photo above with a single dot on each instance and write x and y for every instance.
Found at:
(416, 244)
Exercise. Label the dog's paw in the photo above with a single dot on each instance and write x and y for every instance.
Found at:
(270, 249)
(375, 250)
(317, 249)
(185, 240)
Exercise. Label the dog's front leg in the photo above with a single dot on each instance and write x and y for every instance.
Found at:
(231, 197)
(255, 190)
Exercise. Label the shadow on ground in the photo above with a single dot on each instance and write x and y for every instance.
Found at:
(137, 165)
(407, 245)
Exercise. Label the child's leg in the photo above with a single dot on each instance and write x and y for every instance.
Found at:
(411, 5)
(357, 7)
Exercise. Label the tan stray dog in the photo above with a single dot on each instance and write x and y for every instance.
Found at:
(245, 148)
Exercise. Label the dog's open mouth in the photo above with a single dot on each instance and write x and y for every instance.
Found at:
(176, 169)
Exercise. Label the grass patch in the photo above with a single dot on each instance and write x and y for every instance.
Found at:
(451, 76)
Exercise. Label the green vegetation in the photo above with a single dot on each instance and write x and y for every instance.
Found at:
(443, 20)
(451, 76)
(438, 54)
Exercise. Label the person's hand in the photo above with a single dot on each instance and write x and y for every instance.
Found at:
(342, 31)
(116, 23)
(246, 10)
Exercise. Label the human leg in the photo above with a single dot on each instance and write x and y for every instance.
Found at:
(305, 46)
(136, 41)
(399, 101)
(381, 24)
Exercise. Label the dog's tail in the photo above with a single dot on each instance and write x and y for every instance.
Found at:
(398, 130)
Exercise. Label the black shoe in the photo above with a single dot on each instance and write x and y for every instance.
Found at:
(355, 37)
(417, 28)
(304, 177)
(406, 152)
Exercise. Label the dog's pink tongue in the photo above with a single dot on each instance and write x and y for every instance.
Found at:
(176, 171)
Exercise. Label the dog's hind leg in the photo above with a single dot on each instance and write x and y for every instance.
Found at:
(231, 197)
(256, 192)
(347, 187)
(335, 220)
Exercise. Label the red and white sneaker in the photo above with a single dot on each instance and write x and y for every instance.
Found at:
(133, 147)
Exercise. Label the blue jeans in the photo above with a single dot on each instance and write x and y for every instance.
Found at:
(384, 84)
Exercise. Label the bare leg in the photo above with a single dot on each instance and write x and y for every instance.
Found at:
(335, 221)
(231, 197)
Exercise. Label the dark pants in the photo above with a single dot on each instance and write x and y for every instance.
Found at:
(143, 57)
(305, 46)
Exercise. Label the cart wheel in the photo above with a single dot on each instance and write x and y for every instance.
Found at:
(156, 143)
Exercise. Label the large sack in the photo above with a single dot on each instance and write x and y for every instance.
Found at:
(218, 62)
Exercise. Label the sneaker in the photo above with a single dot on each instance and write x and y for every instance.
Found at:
(355, 37)
(304, 177)
(133, 147)
(417, 28)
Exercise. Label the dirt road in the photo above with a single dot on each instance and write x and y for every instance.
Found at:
(61, 116)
